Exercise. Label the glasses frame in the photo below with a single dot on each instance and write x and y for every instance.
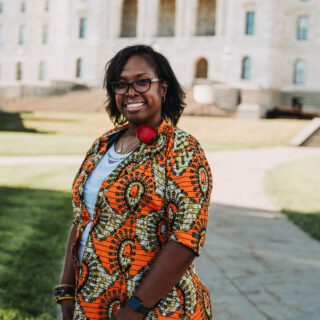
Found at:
(131, 84)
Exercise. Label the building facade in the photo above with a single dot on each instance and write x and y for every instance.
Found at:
(247, 51)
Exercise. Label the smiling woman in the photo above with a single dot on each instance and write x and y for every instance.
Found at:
(140, 200)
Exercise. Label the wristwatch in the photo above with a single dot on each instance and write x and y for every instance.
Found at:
(136, 305)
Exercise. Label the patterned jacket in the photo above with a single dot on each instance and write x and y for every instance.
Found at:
(160, 193)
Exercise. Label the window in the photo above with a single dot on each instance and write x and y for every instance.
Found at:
(22, 35)
(41, 74)
(23, 6)
(246, 68)
(44, 36)
(302, 27)
(79, 68)
(18, 71)
(299, 72)
(129, 18)
(206, 15)
(250, 17)
(82, 27)
(202, 69)
(1, 36)
(46, 5)
(166, 21)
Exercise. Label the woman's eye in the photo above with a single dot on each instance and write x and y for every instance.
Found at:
(143, 82)
(121, 85)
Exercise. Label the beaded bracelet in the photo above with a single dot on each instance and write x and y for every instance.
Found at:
(64, 292)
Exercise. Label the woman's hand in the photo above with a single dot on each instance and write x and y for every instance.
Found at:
(126, 313)
(67, 309)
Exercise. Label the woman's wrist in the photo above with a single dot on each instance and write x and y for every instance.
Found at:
(64, 292)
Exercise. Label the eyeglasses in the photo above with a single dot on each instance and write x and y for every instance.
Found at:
(140, 85)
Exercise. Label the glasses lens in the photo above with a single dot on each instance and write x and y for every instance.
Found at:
(119, 87)
(142, 85)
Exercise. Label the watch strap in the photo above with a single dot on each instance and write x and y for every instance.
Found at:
(137, 305)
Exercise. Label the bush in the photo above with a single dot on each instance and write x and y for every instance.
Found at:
(12, 314)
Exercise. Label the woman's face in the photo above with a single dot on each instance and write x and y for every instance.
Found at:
(140, 108)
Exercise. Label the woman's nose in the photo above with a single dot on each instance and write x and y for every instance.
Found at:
(131, 92)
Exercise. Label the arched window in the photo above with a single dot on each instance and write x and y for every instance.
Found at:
(299, 72)
(46, 5)
(23, 6)
(302, 27)
(246, 68)
(206, 17)
(129, 18)
(18, 71)
(1, 35)
(79, 68)
(82, 27)
(41, 74)
(22, 35)
(166, 21)
(44, 36)
(250, 17)
(202, 69)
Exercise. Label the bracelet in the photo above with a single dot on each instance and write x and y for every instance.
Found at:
(58, 300)
(64, 292)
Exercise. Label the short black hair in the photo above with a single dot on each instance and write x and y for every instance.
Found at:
(174, 103)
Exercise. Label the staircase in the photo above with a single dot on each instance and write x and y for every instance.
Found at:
(313, 140)
(309, 136)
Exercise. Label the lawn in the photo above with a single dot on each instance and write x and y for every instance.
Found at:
(295, 187)
(35, 215)
(48, 132)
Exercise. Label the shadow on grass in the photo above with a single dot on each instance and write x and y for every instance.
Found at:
(33, 226)
(308, 222)
(12, 121)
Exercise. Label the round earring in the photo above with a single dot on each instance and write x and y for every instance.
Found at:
(163, 99)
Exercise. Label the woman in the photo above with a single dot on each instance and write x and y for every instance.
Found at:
(141, 201)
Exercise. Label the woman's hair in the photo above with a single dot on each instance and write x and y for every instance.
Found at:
(173, 105)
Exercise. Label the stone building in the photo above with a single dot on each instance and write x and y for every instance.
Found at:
(253, 52)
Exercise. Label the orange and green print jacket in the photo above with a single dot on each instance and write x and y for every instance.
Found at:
(160, 193)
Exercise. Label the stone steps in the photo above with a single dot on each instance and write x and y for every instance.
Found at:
(309, 136)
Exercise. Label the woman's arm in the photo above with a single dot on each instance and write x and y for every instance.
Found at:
(167, 269)
(68, 272)
(68, 275)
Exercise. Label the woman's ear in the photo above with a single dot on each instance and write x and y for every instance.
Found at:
(164, 88)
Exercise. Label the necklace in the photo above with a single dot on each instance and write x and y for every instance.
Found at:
(127, 147)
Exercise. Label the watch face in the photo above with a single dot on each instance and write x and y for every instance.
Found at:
(134, 303)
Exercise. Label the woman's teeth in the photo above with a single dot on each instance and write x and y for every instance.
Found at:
(134, 105)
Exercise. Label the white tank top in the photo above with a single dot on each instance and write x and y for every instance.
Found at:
(106, 165)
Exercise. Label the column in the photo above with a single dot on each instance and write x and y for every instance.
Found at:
(221, 16)
(190, 18)
(114, 18)
(142, 18)
(179, 28)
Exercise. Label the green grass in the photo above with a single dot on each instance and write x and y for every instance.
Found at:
(48, 132)
(295, 187)
(34, 226)
(29, 144)
(35, 215)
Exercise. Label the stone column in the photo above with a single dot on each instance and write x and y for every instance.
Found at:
(152, 18)
(221, 8)
(142, 18)
(114, 18)
(179, 27)
(190, 18)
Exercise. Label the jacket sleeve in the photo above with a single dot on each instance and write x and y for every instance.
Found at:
(189, 185)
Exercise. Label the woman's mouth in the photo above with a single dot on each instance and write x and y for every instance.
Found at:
(134, 106)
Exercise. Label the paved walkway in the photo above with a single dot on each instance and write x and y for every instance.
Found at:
(257, 264)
